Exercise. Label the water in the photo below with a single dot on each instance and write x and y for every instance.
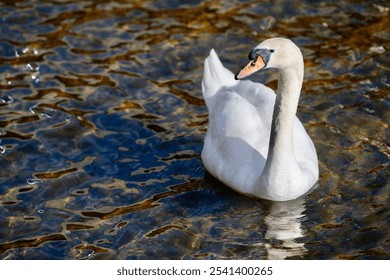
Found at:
(102, 123)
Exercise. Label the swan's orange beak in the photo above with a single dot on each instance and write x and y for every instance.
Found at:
(251, 68)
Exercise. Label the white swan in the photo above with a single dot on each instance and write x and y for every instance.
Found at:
(254, 143)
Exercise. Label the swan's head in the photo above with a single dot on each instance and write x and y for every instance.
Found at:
(272, 53)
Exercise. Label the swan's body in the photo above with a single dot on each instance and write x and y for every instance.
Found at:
(255, 144)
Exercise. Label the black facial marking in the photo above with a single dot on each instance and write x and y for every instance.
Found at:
(265, 54)
(252, 55)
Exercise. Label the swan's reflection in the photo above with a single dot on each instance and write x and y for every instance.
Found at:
(283, 227)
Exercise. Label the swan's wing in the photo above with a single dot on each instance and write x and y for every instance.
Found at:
(243, 111)
(238, 108)
(237, 138)
(215, 76)
(240, 115)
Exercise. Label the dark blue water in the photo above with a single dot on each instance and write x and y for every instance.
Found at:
(102, 123)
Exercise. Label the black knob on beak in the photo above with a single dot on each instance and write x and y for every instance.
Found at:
(252, 55)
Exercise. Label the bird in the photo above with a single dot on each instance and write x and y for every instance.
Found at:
(255, 143)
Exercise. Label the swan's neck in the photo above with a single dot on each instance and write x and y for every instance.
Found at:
(281, 163)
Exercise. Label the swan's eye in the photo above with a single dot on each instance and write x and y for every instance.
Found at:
(271, 50)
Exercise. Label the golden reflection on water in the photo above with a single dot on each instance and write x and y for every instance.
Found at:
(102, 122)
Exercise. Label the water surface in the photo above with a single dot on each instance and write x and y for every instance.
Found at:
(102, 123)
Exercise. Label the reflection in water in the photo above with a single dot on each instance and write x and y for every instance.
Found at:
(283, 228)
